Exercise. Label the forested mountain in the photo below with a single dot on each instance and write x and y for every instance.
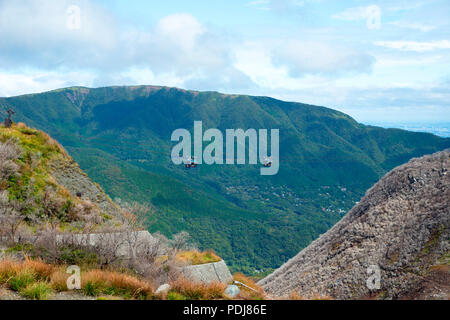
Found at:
(121, 136)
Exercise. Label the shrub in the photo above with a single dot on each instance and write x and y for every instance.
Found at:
(78, 256)
(21, 280)
(92, 289)
(9, 151)
(26, 247)
(37, 291)
(172, 295)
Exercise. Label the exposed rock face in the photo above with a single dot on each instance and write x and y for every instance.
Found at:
(401, 225)
(69, 175)
(209, 272)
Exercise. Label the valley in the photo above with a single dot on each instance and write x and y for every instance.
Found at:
(121, 136)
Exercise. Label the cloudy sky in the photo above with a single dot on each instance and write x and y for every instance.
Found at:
(379, 61)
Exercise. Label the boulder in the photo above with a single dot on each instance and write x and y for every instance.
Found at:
(208, 273)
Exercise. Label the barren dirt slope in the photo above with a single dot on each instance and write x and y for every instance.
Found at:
(401, 225)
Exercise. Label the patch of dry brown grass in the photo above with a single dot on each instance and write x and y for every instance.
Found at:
(41, 269)
(196, 257)
(58, 280)
(440, 268)
(94, 282)
(10, 268)
(247, 294)
(97, 282)
(198, 291)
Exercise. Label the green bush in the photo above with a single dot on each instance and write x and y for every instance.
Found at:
(37, 291)
(78, 256)
(172, 295)
(92, 289)
(21, 280)
(27, 247)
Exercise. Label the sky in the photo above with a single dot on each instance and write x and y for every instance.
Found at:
(380, 61)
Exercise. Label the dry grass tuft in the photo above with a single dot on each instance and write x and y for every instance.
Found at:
(58, 280)
(188, 290)
(196, 257)
(440, 268)
(9, 268)
(98, 282)
(247, 294)
(41, 269)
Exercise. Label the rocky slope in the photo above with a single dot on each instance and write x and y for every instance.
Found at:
(400, 226)
(53, 215)
(40, 182)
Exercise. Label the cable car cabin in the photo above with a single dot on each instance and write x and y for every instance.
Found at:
(190, 163)
(267, 163)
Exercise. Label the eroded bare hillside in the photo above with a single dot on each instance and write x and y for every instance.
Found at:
(401, 225)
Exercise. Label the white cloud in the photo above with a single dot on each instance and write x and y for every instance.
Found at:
(279, 5)
(407, 6)
(391, 62)
(34, 35)
(258, 3)
(372, 15)
(181, 29)
(352, 14)
(33, 81)
(412, 26)
(303, 63)
(356, 13)
(304, 57)
(415, 45)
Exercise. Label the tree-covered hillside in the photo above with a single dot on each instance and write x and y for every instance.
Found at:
(121, 137)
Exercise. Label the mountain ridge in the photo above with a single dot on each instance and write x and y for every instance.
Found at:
(121, 137)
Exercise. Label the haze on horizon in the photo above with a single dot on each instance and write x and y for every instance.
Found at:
(379, 61)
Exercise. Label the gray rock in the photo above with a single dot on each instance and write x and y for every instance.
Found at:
(76, 181)
(209, 272)
(401, 225)
(163, 289)
(232, 291)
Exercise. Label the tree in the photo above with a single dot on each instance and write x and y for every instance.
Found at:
(10, 218)
(9, 152)
(8, 121)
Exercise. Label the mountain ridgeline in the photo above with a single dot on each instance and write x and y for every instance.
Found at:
(121, 136)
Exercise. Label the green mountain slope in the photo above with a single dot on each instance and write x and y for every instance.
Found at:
(121, 137)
